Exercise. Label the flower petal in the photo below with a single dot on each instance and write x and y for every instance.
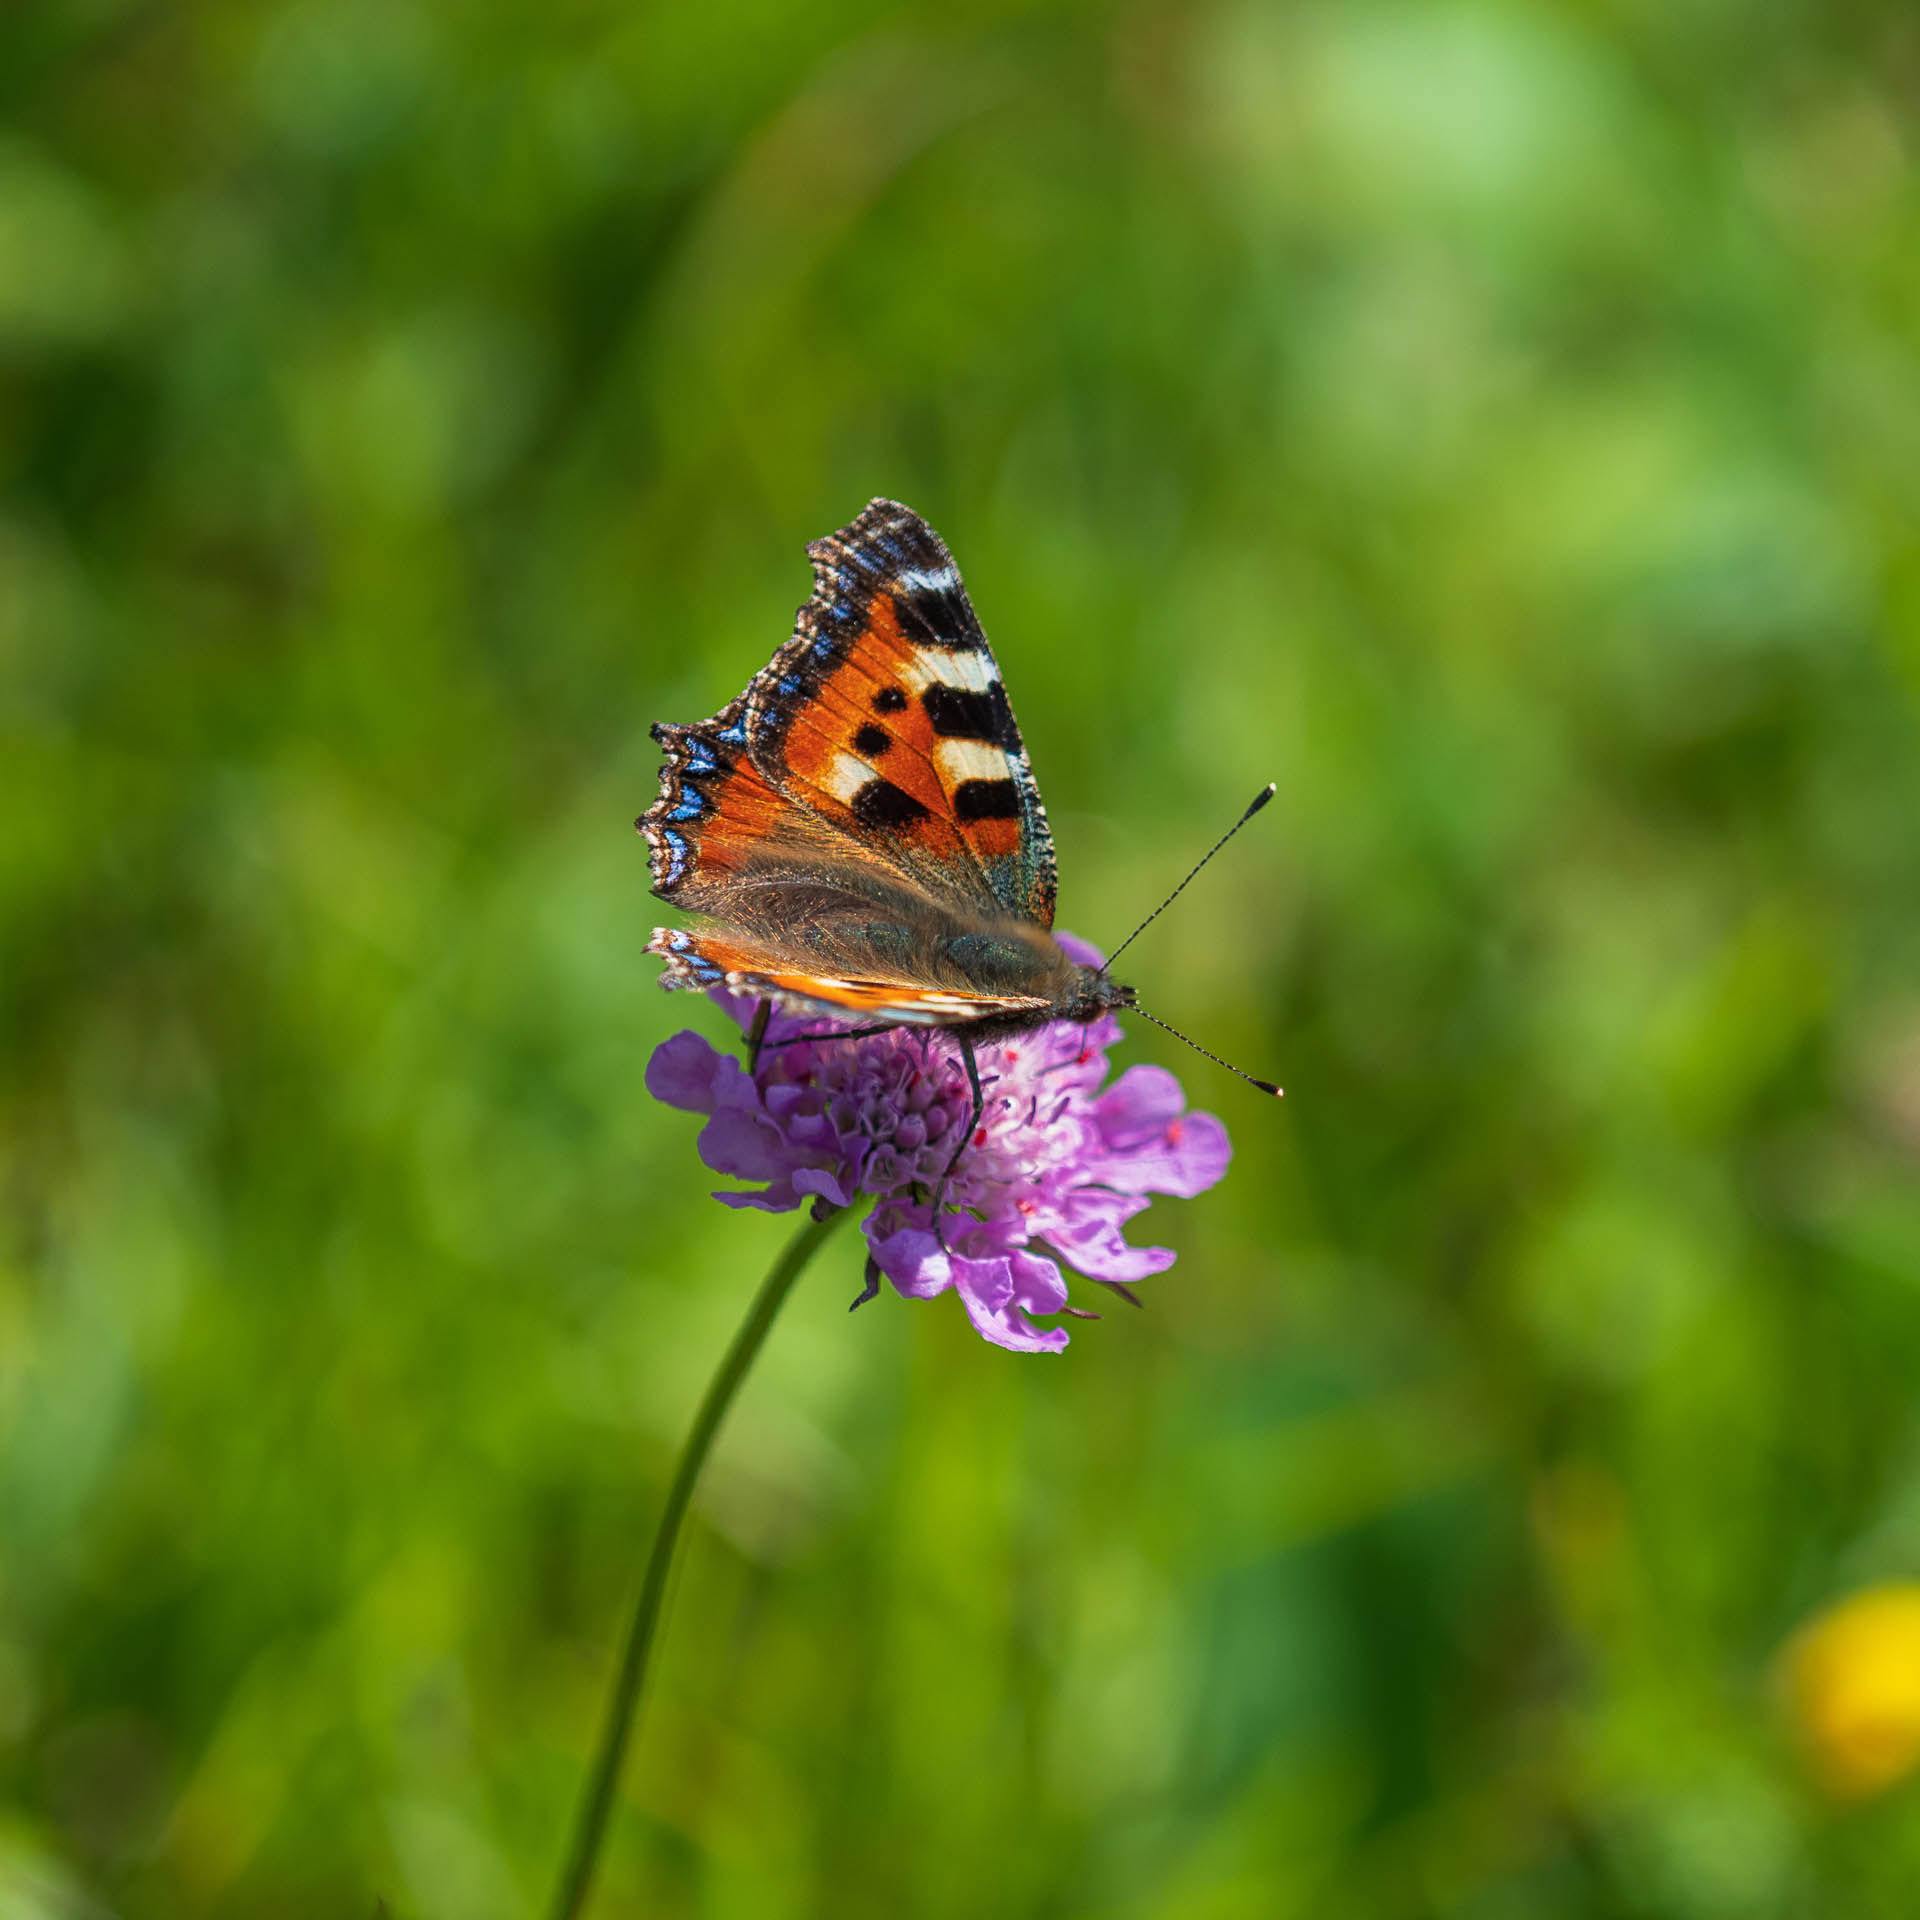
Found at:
(987, 1292)
(814, 1180)
(1154, 1145)
(1197, 1155)
(1137, 1106)
(778, 1198)
(682, 1073)
(884, 1171)
(913, 1259)
(1086, 1232)
(1057, 1171)
(747, 1145)
(1189, 1158)
(1037, 1283)
(1105, 1257)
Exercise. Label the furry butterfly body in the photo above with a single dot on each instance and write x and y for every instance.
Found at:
(861, 825)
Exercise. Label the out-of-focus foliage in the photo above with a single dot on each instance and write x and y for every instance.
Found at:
(1498, 423)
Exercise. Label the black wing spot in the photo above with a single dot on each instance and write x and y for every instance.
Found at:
(963, 713)
(881, 804)
(889, 700)
(871, 741)
(985, 800)
(938, 617)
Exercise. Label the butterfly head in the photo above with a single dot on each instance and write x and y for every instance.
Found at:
(1092, 992)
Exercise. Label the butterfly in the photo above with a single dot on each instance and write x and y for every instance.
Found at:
(861, 824)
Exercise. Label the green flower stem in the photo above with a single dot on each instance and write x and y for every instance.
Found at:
(624, 1701)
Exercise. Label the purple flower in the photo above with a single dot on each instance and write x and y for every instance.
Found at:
(1058, 1163)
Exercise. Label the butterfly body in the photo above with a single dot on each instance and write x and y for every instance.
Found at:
(861, 825)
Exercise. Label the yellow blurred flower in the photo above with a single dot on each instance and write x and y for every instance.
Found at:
(1852, 1683)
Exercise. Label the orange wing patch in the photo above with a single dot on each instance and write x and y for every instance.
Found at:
(912, 737)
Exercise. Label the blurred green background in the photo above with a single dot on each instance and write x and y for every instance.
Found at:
(1499, 424)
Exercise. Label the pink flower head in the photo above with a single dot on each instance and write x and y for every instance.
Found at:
(1058, 1162)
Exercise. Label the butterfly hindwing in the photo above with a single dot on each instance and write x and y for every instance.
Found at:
(801, 983)
(715, 814)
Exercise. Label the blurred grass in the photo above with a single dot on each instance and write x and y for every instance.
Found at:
(1497, 423)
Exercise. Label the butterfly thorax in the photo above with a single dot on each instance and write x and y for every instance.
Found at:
(1023, 962)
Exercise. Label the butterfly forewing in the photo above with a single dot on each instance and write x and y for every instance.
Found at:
(903, 717)
(864, 816)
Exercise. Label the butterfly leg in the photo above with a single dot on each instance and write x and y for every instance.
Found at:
(966, 1132)
(872, 1280)
(757, 1033)
(820, 1039)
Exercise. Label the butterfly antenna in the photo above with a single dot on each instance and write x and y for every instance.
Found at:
(1260, 799)
(1265, 1086)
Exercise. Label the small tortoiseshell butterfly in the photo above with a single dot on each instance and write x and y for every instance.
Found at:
(862, 822)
